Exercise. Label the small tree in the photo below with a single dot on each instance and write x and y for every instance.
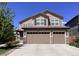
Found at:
(6, 24)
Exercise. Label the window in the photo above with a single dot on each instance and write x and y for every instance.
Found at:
(37, 23)
(58, 32)
(38, 32)
(54, 22)
(40, 22)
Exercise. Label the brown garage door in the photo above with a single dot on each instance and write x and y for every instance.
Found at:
(58, 37)
(38, 37)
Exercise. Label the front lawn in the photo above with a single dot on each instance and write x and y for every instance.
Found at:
(3, 50)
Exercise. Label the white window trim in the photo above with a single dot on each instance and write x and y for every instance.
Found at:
(54, 21)
(40, 21)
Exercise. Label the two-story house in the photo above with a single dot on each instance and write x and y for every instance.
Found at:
(44, 28)
(74, 26)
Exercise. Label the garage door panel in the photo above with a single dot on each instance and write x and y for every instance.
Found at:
(59, 38)
(38, 38)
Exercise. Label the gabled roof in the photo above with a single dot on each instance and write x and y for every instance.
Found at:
(54, 14)
(35, 16)
(42, 14)
(73, 19)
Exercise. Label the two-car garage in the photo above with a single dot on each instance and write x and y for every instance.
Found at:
(45, 38)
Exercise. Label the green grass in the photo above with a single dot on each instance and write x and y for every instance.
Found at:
(6, 49)
(3, 50)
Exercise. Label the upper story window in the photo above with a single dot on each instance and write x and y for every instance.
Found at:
(40, 22)
(54, 22)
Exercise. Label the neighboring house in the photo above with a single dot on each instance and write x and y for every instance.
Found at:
(44, 28)
(74, 26)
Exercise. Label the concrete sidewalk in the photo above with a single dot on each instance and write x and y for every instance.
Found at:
(46, 50)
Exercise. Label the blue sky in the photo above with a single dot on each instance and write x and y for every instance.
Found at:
(25, 9)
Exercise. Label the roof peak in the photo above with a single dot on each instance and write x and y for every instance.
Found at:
(46, 11)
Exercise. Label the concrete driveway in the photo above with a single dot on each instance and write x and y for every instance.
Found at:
(46, 50)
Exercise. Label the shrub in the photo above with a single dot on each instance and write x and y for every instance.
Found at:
(12, 44)
(73, 41)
